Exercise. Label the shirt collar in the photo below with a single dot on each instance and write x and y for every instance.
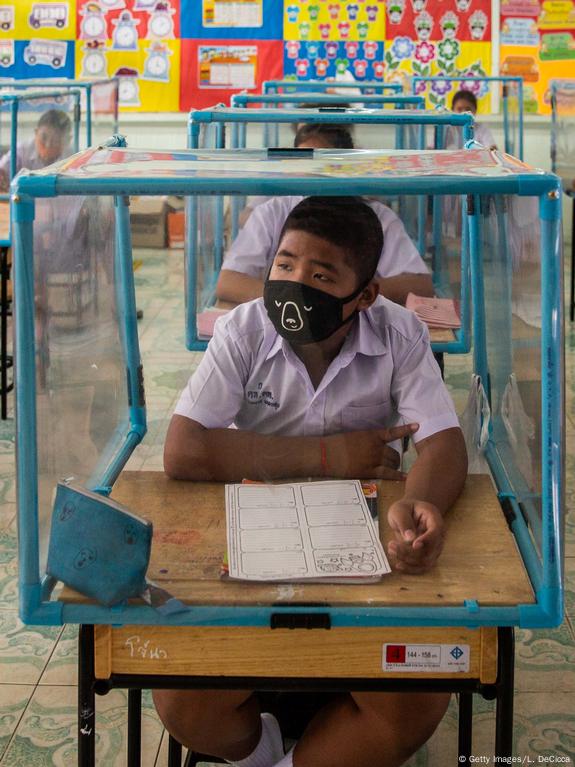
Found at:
(363, 338)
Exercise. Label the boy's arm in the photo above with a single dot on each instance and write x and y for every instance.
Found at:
(193, 452)
(238, 287)
(396, 288)
(432, 486)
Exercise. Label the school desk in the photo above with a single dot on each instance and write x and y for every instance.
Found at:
(479, 562)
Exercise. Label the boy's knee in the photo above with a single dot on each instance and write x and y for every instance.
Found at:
(421, 712)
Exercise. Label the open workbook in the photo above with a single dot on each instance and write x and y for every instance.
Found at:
(302, 531)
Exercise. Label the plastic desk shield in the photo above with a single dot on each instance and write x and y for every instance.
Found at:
(442, 246)
(504, 95)
(563, 132)
(75, 418)
(324, 86)
(99, 103)
(515, 338)
(37, 128)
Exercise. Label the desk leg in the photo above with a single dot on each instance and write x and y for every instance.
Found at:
(504, 710)
(134, 727)
(86, 699)
(174, 752)
(572, 293)
(465, 727)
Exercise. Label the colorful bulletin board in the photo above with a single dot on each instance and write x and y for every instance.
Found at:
(388, 40)
(172, 55)
(538, 44)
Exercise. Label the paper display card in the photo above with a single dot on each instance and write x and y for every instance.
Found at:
(206, 320)
(302, 531)
(435, 312)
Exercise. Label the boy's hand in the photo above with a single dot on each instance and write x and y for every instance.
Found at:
(366, 454)
(419, 535)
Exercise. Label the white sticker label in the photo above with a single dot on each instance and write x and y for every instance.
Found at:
(426, 657)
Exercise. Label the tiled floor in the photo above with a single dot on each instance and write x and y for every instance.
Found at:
(38, 664)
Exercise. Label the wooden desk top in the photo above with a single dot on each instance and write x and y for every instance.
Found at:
(480, 560)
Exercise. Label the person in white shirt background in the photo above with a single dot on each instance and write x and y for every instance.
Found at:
(51, 142)
(465, 101)
(319, 377)
(308, 136)
(401, 269)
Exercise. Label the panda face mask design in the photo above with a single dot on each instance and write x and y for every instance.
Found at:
(302, 314)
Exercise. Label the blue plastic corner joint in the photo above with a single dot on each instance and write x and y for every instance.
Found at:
(472, 605)
(34, 612)
(23, 208)
(550, 204)
(42, 186)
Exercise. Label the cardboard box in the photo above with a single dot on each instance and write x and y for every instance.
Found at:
(148, 222)
(176, 221)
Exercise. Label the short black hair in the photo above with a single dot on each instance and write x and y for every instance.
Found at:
(57, 120)
(336, 136)
(348, 222)
(466, 95)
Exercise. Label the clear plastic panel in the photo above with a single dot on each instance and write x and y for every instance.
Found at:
(563, 130)
(439, 92)
(104, 110)
(511, 341)
(46, 127)
(221, 234)
(81, 400)
(375, 134)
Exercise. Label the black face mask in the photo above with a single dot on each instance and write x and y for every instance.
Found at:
(302, 314)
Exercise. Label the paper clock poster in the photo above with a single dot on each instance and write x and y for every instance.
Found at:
(149, 77)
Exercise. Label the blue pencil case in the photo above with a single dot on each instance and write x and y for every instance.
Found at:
(97, 546)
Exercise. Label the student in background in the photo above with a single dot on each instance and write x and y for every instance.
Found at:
(401, 269)
(465, 101)
(50, 143)
(308, 136)
(342, 368)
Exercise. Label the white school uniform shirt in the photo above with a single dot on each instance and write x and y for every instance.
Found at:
(385, 375)
(254, 248)
(481, 134)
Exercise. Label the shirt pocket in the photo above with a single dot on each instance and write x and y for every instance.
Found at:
(372, 416)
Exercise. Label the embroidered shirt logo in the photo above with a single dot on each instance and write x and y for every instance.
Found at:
(261, 396)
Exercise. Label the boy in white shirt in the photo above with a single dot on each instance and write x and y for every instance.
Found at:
(400, 270)
(317, 377)
(51, 142)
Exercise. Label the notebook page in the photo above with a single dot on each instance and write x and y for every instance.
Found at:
(302, 530)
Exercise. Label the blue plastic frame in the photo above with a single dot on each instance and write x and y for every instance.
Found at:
(83, 85)
(13, 101)
(220, 116)
(516, 80)
(319, 86)
(546, 573)
(242, 100)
